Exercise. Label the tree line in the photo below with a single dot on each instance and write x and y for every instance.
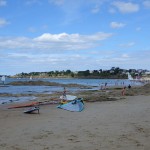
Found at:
(113, 73)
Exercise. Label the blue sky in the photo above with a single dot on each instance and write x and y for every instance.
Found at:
(46, 35)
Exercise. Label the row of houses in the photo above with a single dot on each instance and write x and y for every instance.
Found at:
(113, 70)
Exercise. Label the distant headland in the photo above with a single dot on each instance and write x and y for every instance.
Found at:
(113, 73)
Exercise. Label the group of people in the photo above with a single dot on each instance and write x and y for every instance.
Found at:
(122, 92)
(103, 87)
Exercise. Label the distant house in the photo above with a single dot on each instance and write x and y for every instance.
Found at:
(91, 71)
(147, 73)
(124, 71)
(132, 71)
(75, 72)
(112, 71)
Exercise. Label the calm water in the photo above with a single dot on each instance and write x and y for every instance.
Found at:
(91, 82)
(96, 83)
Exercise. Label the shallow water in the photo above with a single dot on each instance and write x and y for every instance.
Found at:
(90, 82)
(96, 83)
(28, 89)
(8, 99)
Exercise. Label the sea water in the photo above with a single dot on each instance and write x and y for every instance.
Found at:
(13, 89)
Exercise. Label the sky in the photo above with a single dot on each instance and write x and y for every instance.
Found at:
(50, 35)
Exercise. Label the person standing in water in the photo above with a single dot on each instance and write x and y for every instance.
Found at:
(105, 85)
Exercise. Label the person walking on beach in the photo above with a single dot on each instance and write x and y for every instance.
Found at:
(123, 91)
(64, 97)
(64, 93)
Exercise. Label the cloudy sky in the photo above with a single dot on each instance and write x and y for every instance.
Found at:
(46, 35)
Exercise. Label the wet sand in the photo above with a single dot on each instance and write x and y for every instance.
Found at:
(114, 123)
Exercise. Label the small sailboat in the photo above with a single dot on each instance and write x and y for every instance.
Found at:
(30, 77)
(3, 79)
(130, 77)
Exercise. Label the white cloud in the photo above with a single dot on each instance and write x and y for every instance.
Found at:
(133, 59)
(3, 22)
(126, 7)
(52, 42)
(49, 61)
(3, 2)
(45, 59)
(64, 37)
(116, 25)
(54, 37)
(146, 3)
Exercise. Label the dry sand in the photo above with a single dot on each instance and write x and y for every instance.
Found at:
(109, 125)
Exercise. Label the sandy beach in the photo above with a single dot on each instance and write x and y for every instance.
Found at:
(122, 124)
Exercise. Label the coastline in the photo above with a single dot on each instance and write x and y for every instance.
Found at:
(87, 92)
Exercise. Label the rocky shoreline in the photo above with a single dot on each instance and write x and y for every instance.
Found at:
(109, 94)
